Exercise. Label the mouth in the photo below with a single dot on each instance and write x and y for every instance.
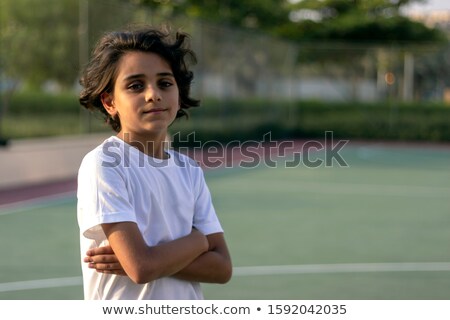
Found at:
(155, 111)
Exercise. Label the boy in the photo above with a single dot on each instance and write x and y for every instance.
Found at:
(147, 223)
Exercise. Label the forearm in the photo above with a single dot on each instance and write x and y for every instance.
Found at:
(169, 258)
(143, 263)
(210, 267)
(187, 258)
(213, 266)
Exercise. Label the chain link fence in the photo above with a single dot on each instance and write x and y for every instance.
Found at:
(45, 43)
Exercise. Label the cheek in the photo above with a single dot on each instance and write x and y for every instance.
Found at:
(175, 103)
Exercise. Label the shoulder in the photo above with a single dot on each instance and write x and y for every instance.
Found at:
(187, 167)
(184, 161)
(109, 154)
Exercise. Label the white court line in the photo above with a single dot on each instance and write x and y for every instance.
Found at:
(37, 203)
(341, 268)
(41, 284)
(375, 189)
(258, 271)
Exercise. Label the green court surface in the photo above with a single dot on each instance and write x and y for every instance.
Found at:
(377, 229)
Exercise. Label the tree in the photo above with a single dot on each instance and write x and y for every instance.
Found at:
(299, 20)
(376, 30)
(254, 14)
(368, 21)
(41, 39)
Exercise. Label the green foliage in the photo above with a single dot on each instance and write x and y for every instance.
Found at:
(41, 39)
(375, 21)
(34, 102)
(336, 20)
(35, 114)
(256, 14)
(250, 120)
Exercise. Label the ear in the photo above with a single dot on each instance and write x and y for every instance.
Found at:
(108, 103)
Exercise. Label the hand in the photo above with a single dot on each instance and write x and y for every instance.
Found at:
(104, 260)
(203, 240)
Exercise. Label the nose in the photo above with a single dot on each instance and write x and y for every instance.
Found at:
(152, 94)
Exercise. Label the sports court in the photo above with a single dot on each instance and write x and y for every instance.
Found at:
(377, 229)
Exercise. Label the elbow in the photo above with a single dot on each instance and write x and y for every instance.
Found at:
(138, 279)
(142, 276)
(226, 274)
(224, 278)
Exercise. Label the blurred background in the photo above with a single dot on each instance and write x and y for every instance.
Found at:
(384, 62)
(366, 70)
(370, 71)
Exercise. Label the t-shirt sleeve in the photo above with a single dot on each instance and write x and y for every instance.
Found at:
(205, 217)
(102, 195)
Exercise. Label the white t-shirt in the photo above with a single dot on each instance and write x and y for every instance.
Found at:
(165, 198)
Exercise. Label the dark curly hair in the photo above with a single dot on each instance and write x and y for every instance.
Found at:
(100, 73)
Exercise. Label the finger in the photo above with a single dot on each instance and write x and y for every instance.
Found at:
(106, 258)
(116, 272)
(105, 266)
(99, 251)
(111, 268)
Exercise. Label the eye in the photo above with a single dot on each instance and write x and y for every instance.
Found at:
(135, 86)
(165, 83)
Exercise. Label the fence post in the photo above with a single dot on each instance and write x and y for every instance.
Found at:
(408, 76)
(83, 54)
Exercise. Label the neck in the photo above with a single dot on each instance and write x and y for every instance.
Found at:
(153, 147)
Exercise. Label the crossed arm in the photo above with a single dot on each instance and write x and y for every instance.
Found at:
(194, 257)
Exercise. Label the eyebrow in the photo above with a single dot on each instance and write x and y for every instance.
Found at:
(141, 75)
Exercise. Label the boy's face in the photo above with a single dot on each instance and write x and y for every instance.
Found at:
(145, 96)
